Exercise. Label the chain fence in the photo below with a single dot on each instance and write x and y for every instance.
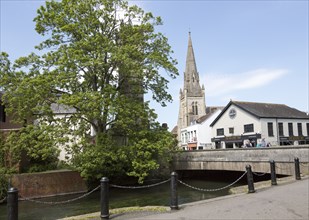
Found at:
(140, 187)
(62, 202)
(260, 174)
(2, 200)
(212, 190)
(90, 192)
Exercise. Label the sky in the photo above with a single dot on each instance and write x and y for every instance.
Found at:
(245, 50)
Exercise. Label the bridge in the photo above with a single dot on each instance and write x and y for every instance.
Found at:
(237, 159)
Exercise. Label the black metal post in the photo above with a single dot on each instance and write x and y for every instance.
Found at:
(104, 198)
(273, 172)
(297, 170)
(250, 179)
(12, 204)
(174, 194)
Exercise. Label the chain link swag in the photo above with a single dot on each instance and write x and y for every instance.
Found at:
(213, 190)
(140, 187)
(62, 202)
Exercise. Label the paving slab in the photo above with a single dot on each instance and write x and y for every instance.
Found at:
(285, 202)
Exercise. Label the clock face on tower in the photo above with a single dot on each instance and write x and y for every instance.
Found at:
(232, 113)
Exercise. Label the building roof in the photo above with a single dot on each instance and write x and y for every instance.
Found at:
(174, 130)
(62, 109)
(205, 117)
(266, 110)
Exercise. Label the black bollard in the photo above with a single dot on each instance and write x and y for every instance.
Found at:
(297, 170)
(104, 198)
(273, 172)
(174, 195)
(12, 204)
(250, 179)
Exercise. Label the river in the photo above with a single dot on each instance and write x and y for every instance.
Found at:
(157, 195)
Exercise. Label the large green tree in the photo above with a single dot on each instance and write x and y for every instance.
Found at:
(99, 58)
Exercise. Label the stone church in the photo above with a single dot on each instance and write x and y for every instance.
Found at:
(192, 104)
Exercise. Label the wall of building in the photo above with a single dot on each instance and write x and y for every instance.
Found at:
(200, 133)
(260, 126)
(237, 123)
(275, 140)
(36, 185)
(8, 125)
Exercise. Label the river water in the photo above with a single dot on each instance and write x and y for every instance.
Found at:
(157, 195)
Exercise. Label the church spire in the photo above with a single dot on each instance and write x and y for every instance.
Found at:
(191, 76)
(192, 103)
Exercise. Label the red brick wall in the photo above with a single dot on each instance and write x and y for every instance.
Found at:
(36, 185)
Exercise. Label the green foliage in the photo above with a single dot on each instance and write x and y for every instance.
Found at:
(4, 171)
(149, 151)
(146, 151)
(10, 153)
(99, 58)
(3, 184)
(97, 161)
(37, 143)
(2, 152)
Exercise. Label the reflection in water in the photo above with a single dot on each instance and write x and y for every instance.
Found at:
(158, 195)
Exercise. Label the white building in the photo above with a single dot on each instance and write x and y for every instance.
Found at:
(64, 112)
(198, 135)
(277, 124)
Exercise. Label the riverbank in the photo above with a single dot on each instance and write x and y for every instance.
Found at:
(264, 204)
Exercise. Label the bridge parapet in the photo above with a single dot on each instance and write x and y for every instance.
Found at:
(237, 159)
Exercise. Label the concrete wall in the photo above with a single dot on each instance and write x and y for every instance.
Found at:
(237, 159)
(36, 185)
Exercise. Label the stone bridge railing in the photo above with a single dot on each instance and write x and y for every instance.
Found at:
(237, 159)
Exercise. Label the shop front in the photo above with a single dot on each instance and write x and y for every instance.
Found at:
(192, 146)
(294, 140)
(236, 141)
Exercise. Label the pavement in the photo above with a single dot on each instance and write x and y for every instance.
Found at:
(288, 201)
(285, 201)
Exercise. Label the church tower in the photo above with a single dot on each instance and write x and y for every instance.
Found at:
(192, 98)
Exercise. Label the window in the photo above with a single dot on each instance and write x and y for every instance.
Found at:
(194, 108)
(290, 129)
(280, 128)
(231, 130)
(270, 129)
(2, 113)
(220, 131)
(300, 129)
(248, 128)
(307, 129)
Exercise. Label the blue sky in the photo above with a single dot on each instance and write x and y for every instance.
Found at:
(245, 50)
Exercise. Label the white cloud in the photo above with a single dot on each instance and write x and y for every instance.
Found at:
(220, 84)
